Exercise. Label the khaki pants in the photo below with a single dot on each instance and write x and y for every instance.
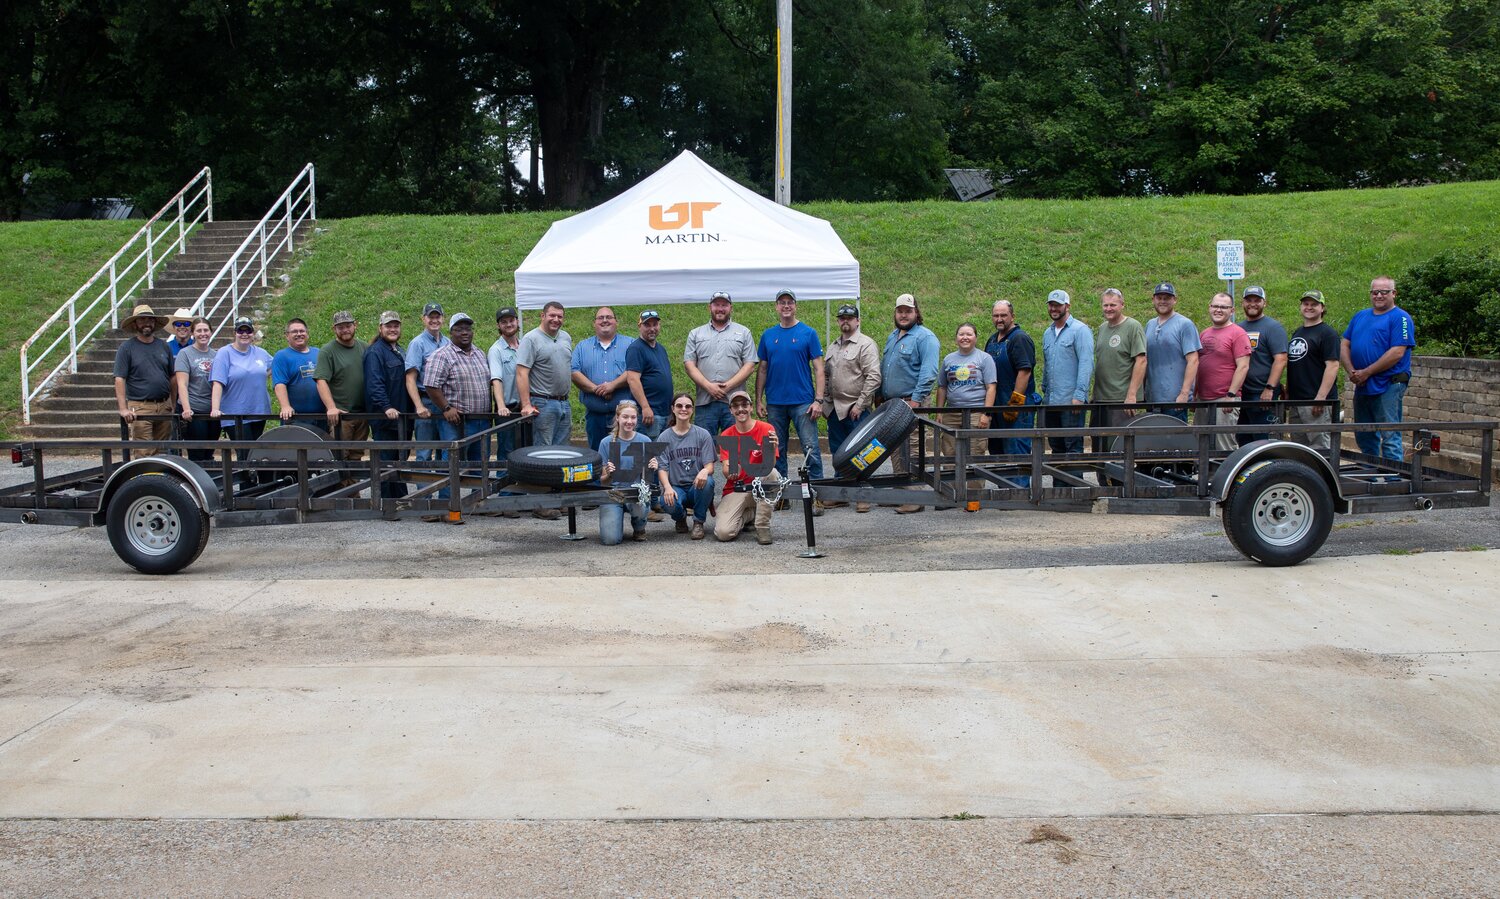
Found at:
(735, 510)
(150, 430)
(1303, 415)
(1227, 413)
(350, 429)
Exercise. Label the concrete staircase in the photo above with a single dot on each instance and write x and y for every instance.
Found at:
(82, 406)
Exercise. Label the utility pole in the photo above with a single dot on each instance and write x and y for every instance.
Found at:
(784, 102)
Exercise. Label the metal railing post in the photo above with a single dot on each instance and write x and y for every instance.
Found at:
(234, 289)
(312, 192)
(25, 387)
(210, 192)
(263, 281)
(114, 297)
(150, 262)
(72, 336)
(181, 225)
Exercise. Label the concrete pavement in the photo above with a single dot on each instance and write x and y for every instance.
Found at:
(1343, 685)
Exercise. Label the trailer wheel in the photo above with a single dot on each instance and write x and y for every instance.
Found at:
(1278, 512)
(554, 466)
(879, 434)
(156, 525)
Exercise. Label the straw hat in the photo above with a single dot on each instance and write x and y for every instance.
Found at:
(144, 311)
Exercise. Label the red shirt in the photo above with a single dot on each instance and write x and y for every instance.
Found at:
(757, 433)
(1221, 348)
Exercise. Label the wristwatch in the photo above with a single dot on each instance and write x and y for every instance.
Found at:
(1234, 395)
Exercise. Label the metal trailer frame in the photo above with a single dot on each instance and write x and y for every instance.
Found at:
(286, 481)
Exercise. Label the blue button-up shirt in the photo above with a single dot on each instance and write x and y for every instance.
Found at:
(1068, 356)
(601, 365)
(910, 365)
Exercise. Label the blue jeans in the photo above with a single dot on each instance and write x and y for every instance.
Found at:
(612, 522)
(698, 499)
(1065, 420)
(389, 431)
(505, 440)
(839, 430)
(596, 426)
(657, 425)
(554, 423)
(1261, 416)
(468, 427)
(713, 417)
(427, 429)
(1014, 446)
(780, 418)
(1380, 407)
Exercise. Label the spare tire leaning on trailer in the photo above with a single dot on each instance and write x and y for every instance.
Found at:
(878, 434)
(554, 466)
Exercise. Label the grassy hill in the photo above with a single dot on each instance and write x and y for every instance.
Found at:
(956, 258)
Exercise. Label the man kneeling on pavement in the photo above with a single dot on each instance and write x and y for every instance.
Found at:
(739, 505)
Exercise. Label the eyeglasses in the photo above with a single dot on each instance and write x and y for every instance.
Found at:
(1380, 293)
(1222, 308)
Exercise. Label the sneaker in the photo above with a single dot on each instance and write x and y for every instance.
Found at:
(682, 526)
(697, 530)
(908, 509)
(510, 513)
(546, 514)
(861, 507)
(763, 536)
(639, 536)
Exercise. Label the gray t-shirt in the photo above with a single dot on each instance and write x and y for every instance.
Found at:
(1267, 338)
(550, 360)
(146, 368)
(686, 454)
(198, 367)
(1167, 347)
(965, 376)
(719, 355)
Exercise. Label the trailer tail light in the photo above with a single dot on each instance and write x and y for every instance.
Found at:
(1428, 442)
(20, 455)
(1437, 443)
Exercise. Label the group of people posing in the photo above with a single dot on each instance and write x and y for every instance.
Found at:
(442, 386)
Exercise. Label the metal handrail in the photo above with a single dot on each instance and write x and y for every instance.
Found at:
(118, 294)
(210, 304)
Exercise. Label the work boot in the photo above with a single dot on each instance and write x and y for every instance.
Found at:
(817, 508)
(639, 536)
(783, 504)
(654, 515)
(546, 514)
(697, 530)
(834, 503)
(682, 526)
(763, 536)
(861, 507)
(908, 509)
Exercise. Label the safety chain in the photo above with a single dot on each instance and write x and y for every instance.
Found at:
(758, 490)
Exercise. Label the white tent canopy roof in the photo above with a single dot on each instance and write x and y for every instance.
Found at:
(677, 237)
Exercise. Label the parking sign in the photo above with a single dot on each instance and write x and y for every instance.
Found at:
(1231, 260)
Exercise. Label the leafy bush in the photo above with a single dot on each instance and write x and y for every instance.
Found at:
(1455, 298)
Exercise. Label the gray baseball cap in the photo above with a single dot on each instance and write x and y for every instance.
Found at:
(1060, 296)
(458, 319)
(1253, 291)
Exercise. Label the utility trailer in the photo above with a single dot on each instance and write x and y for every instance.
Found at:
(1278, 496)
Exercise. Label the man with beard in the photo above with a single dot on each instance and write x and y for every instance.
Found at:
(340, 374)
(1267, 362)
(143, 376)
(1312, 371)
(502, 359)
(385, 392)
(1172, 347)
(908, 372)
(719, 357)
(457, 380)
(1068, 369)
(853, 378)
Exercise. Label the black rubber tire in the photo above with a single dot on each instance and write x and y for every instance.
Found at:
(156, 525)
(1278, 512)
(873, 439)
(554, 466)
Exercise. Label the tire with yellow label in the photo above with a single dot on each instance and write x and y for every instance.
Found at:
(1278, 512)
(554, 466)
(876, 436)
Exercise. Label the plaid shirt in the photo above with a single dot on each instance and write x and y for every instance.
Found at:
(463, 377)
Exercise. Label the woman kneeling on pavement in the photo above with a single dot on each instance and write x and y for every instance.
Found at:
(687, 468)
(623, 476)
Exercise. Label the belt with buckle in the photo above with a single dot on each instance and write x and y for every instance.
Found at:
(544, 396)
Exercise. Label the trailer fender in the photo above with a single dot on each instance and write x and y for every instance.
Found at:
(197, 481)
(1270, 450)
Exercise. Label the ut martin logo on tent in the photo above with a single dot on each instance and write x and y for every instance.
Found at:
(678, 215)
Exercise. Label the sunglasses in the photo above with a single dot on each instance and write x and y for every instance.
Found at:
(246, 330)
(682, 405)
(182, 324)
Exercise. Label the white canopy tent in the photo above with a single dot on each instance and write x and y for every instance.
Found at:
(677, 237)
